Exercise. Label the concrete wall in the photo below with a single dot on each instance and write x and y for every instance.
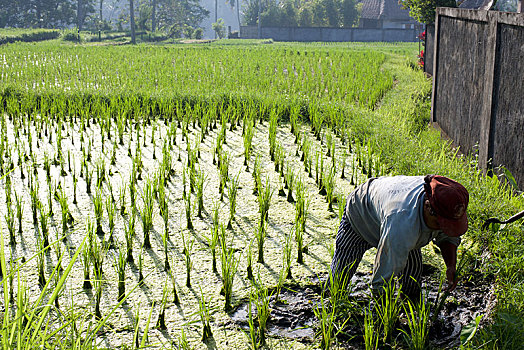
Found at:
(328, 34)
(478, 85)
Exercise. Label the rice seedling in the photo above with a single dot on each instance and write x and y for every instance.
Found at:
(388, 306)
(341, 201)
(371, 334)
(120, 267)
(75, 184)
(326, 313)
(261, 301)
(98, 254)
(301, 209)
(176, 300)
(418, 322)
(161, 322)
(329, 185)
(51, 189)
(122, 198)
(147, 212)
(343, 165)
(188, 247)
(86, 262)
(248, 141)
(187, 201)
(19, 211)
(98, 204)
(322, 174)
(289, 181)
(141, 266)
(40, 259)
(98, 286)
(44, 224)
(67, 217)
(249, 258)
(129, 233)
(111, 212)
(10, 221)
(101, 172)
(214, 238)
(329, 144)
(272, 130)
(353, 172)
(224, 160)
(261, 234)
(264, 200)
(182, 341)
(252, 332)
(287, 248)
(200, 185)
(229, 268)
(232, 190)
(205, 317)
(256, 175)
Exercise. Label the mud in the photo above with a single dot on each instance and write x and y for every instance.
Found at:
(292, 314)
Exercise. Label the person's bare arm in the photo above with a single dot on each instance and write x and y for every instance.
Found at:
(449, 254)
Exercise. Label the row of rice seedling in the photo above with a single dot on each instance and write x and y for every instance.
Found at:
(343, 75)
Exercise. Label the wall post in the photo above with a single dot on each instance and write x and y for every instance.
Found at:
(487, 115)
(435, 68)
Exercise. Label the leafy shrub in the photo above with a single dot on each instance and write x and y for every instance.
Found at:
(71, 35)
(220, 28)
(198, 33)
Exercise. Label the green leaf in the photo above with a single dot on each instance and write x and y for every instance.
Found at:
(469, 331)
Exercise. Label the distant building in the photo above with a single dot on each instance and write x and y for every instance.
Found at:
(386, 14)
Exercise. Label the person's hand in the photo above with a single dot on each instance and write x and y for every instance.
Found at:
(451, 275)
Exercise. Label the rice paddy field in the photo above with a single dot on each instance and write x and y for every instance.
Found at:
(188, 196)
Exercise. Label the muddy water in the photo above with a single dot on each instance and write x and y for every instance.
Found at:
(292, 323)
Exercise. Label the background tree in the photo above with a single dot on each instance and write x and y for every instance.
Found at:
(302, 13)
(349, 13)
(219, 28)
(424, 10)
(132, 21)
(40, 13)
(175, 15)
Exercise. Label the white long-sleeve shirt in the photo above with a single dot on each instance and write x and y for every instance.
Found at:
(388, 213)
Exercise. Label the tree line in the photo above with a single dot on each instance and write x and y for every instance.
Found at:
(172, 16)
(303, 13)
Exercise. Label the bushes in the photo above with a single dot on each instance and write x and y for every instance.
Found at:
(29, 35)
(71, 35)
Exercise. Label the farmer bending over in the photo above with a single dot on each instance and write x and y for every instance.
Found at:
(399, 215)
